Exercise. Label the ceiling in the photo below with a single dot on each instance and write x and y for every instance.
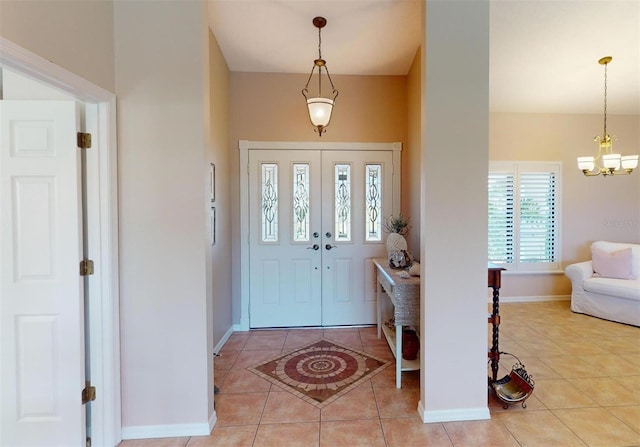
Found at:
(543, 54)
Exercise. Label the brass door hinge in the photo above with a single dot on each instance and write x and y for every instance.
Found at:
(84, 140)
(86, 267)
(88, 393)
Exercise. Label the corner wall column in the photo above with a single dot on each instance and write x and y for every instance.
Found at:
(453, 384)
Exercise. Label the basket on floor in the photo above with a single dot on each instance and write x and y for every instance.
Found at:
(515, 387)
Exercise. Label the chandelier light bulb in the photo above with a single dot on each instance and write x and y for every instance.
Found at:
(611, 161)
(586, 163)
(629, 162)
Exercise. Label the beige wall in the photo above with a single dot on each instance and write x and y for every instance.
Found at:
(165, 353)
(167, 309)
(411, 155)
(453, 229)
(592, 208)
(76, 35)
(270, 107)
(218, 153)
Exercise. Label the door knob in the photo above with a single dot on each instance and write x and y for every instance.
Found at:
(328, 234)
(314, 247)
(329, 246)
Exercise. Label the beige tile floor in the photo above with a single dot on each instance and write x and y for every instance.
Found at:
(587, 391)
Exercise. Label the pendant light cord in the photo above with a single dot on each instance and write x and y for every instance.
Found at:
(319, 57)
(604, 135)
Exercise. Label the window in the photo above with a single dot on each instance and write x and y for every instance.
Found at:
(524, 219)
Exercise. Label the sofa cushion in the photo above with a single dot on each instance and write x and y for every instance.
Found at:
(615, 264)
(617, 246)
(621, 288)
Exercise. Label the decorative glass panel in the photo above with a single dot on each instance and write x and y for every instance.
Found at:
(373, 188)
(342, 203)
(269, 202)
(300, 202)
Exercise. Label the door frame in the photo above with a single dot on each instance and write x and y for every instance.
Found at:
(103, 217)
(245, 146)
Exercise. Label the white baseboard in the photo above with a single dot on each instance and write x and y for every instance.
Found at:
(462, 414)
(243, 326)
(212, 420)
(532, 299)
(168, 431)
(223, 340)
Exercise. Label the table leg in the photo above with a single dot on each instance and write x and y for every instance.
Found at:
(398, 356)
(495, 350)
(379, 306)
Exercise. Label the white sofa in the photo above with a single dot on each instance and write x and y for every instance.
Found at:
(608, 286)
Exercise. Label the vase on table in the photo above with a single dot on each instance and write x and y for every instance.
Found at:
(397, 252)
(410, 344)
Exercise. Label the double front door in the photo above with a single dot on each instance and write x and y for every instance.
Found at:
(316, 219)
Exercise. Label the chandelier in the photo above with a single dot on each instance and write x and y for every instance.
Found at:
(606, 162)
(319, 107)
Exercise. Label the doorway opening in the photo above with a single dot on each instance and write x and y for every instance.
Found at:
(311, 220)
(101, 218)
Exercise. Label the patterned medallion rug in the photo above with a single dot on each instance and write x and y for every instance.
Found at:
(320, 372)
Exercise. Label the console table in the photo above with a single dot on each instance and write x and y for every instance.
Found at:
(404, 294)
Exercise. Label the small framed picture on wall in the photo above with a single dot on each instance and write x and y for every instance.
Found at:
(213, 225)
(212, 179)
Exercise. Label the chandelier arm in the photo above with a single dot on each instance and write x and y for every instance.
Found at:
(333, 89)
(305, 90)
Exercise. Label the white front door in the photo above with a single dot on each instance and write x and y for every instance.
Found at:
(315, 220)
(41, 323)
(357, 196)
(285, 256)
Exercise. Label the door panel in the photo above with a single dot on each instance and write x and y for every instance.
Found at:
(347, 288)
(285, 273)
(41, 325)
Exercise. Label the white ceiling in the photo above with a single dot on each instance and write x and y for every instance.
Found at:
(543, 54)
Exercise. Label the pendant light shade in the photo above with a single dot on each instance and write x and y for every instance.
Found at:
(320, 111)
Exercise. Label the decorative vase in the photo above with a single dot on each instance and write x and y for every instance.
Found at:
(397, 251)
(410, 344)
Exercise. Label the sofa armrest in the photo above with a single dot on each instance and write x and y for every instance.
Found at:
(579, 271)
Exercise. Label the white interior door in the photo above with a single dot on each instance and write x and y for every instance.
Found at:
(41, 324)
(316, 218)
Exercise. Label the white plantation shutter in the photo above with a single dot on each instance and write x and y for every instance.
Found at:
(537, 217)
(501, 218)
(524, 215)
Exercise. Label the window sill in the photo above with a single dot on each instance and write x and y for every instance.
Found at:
(532, 272)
